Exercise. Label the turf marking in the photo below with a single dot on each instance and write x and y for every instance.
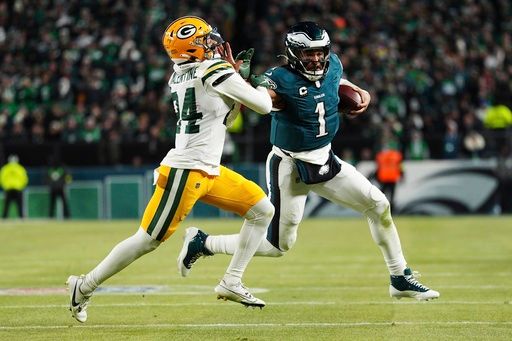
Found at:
(312, 303)
(122, 290)
(260, 325)
(109, 305)
(175, 290)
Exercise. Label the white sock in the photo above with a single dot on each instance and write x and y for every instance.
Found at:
(122, 255)
(227, 244)
(251, 235)
(385, 235)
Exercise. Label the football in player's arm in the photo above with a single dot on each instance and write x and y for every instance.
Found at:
(305, 120)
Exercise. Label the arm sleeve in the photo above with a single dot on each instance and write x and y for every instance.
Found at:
(239, 90)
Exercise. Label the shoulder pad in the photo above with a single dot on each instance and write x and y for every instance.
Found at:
(213, 67)
(282, 77)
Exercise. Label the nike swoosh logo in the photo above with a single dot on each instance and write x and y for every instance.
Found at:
(247, 295)
(268, 73)
(73, 302)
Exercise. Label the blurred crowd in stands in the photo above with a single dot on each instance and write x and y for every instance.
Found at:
(439, 72)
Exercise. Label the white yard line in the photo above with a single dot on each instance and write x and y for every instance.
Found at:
(259, 325)
(352, 288)
(306, 303)
(108, 305)
(206, 290)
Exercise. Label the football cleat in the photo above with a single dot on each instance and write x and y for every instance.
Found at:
(408, 286)
(193, 248)
(78, 301)
(237, 293)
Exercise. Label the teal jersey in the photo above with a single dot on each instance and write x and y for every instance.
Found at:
(310, 117)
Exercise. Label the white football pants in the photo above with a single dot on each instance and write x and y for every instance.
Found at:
(348, 188)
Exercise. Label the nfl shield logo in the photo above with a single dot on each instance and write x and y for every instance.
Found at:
(323, 170)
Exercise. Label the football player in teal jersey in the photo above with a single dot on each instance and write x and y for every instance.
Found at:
(305, 120)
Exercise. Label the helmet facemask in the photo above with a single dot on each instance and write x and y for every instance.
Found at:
(312, 63)
(209, 42)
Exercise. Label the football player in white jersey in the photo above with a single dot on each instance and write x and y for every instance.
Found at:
(205, 90)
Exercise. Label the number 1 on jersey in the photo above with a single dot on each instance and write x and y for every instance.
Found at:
(188, 112)
(320, 110)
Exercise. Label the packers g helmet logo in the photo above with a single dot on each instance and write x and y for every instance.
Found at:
(186, 38)
(186, 31)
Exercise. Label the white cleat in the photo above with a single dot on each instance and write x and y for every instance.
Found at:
(78, 301)
(237, 293)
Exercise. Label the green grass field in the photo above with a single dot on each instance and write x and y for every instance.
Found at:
(332, 286)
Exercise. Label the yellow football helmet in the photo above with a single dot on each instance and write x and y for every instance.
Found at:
(190, 38)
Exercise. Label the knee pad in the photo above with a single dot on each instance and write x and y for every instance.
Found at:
(263, 210)
(288, 236)
(382, 209)
(291, 217)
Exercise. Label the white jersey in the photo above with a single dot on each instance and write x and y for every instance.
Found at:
(203, 94)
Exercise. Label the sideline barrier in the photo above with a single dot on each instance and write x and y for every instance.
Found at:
(433, 187)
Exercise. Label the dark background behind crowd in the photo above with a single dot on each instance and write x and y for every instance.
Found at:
(86, 81)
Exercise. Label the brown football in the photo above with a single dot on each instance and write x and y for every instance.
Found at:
(349, 99)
